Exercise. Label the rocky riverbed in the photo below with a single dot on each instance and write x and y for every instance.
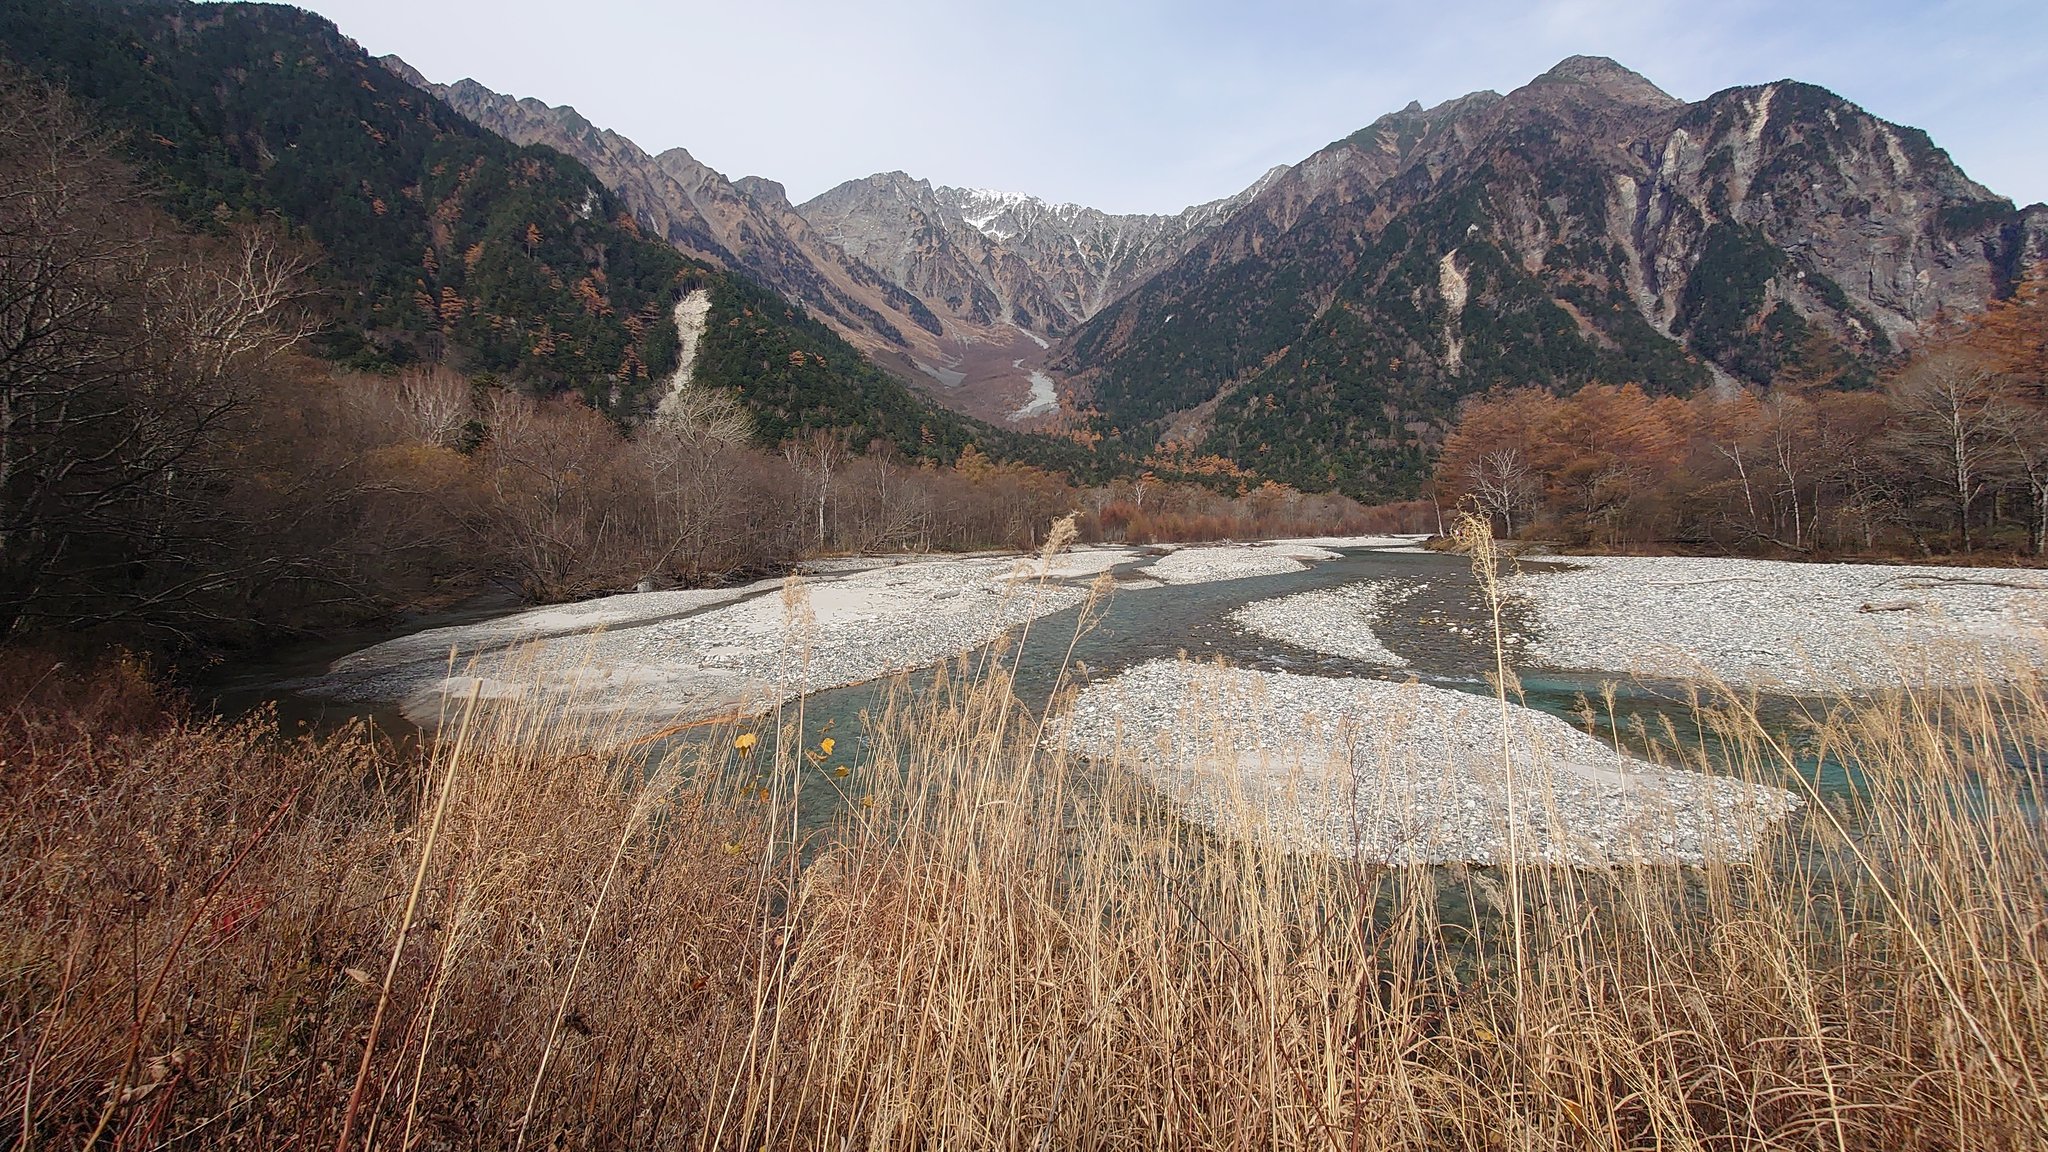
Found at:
(1350, 761)
(1799, 628)
(1403, 772)
(1207, 563)
(653, 659)
(647, 660)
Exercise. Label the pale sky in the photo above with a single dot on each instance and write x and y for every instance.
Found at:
(1147, 106)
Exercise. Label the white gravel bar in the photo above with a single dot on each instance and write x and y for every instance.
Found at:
(1209, 563)
(1401, 543)
(1403, 773)
(1336, 621)
(1803, 628)
(640, 661)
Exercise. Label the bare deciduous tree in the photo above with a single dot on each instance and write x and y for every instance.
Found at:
(2027, 435)
(815, 456)
(557, 501)
(127, 352)
(436, 405)
(1504, 484)
(1953, 424)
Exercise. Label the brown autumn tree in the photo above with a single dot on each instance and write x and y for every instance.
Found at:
(1615, 447)
(2012, 335)
(1593, 466)
(2012, 338)
(1500, 453)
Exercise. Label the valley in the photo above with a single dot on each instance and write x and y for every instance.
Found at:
(1522, 628)
(1322, 326)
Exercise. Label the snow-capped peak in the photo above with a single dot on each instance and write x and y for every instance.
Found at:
(981, 207)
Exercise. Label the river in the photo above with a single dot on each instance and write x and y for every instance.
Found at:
(1442, 630)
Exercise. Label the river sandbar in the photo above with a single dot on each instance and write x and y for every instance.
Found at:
(1795, 627)
(1403, 773)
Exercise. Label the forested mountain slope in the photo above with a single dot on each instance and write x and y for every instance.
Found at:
(697, 209)
(963, 324)
(438, 241)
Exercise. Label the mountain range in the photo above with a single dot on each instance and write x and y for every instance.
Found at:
(1585, 227)
(1320, 327)
(958, 290)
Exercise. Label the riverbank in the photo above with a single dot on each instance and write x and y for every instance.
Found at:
(655, 659)
(200, 913)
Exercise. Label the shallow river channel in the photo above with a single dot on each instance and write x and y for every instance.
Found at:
(1441, 628)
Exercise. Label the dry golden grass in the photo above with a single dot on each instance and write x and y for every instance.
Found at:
(991, 947)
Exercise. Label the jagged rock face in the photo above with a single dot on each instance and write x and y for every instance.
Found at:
(1873, 208)
(656, 204)
(1084, 256)
(767, 193)
(897, 226)
(1586, 227)
(998, 257)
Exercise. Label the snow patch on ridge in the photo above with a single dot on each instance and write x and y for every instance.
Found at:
(945, 376)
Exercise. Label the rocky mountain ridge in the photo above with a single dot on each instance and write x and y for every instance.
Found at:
(980, 367)
(698, 210)
(1585, 227)
(1006, 257)
(1321, 326)
(434, 241)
